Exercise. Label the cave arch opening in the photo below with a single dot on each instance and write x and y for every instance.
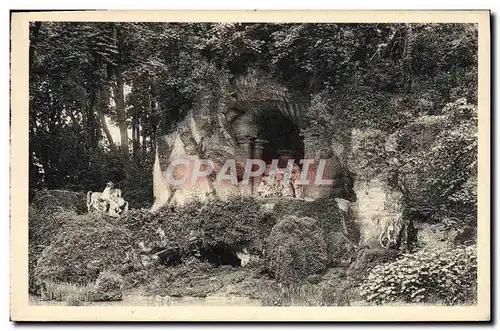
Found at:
(279, 138)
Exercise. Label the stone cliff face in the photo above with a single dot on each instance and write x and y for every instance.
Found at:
(255, 118)
(378, 207)
(251, 118)
(192, 141)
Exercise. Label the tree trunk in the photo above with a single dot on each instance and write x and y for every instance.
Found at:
(86, 117)
(92, 121)
(102, 118)
(134, 143)
(147, 136)
(407, 59)
(105, 128)
(119, 99)
(122, 117)
(135, 134)
(138, 137)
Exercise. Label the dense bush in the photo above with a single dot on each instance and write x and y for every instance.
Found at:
(346, 290)
(84, 246)
(234, 224)
(431, 161)
(44, 226)
(329, 219)
(448, 277)
(324, 210)
(108, 287)
(141, 197)
(296, 249)
(60, 200)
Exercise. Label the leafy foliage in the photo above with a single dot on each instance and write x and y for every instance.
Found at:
(296, 249)
(401, 99)
(198, 226)
(329, 218)
(59, 200)
(448, 277)
(432, 161)
(83, 247)
(108, 287)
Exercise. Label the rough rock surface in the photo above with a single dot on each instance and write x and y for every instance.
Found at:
(251, 118)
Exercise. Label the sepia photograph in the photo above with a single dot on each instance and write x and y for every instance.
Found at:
(246, 162)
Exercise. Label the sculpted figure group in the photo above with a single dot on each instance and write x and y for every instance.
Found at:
(279, 182)
(109, 201)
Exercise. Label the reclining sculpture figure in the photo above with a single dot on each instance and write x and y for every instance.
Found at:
(109, 201)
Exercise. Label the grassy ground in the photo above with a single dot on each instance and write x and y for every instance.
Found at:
(219, 285)
(72, 294)
(237, 282)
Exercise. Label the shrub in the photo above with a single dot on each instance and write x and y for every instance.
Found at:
(138, 194)
(240, 222)
(234, 224)
(346, 290)
(296, 249)
(329, 218)
(108, 287)
(60, 200)
(324, 210)
(447, 276)
(44, 226)
(84, 246)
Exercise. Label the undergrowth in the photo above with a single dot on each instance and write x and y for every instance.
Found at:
(448, 276)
